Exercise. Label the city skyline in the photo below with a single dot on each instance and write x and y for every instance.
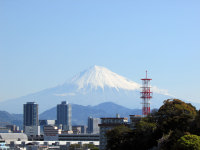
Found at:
(76, 74)
(44, 43)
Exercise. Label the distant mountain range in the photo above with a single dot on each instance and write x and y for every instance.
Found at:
(93, 86)
(80, 113)
(7, 118)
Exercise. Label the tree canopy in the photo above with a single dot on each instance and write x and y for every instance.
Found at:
(118, 138)
(175, 114)
(165, 128)
(188, 142)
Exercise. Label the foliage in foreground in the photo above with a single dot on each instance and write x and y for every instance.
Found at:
(188, 142)
(168, 128)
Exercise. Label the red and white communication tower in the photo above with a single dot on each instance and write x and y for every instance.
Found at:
(146, 95)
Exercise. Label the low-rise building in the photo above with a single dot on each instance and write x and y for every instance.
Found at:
(4, 130)
(13, 128)
(51, 130)
(83, 128)
(32, 130)
(76, 129)
(3, 145)
(8, 137)
(78, 137)
(45, 123)
(51, 133)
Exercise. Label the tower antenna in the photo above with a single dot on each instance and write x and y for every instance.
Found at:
(146, 74)
(146, 95)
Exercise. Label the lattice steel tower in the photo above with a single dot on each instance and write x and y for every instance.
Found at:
(146, 95)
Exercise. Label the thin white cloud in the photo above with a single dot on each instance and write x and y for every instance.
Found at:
(160, 91)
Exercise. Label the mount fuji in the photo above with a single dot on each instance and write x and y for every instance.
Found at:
(91, 87)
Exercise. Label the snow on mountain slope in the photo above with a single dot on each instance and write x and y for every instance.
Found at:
(100, 77)
(90, 87)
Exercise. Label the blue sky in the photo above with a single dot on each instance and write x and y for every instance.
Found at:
(44, 43)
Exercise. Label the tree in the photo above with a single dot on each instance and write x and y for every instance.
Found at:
(124, 138)
(164, 127)
(118, 138)
(195, 128)
(174, 119)
(175, 114)
(169, 140)
(145, 132)
(188, 142)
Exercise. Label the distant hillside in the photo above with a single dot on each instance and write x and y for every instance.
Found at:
(7, 118)
(81, 113)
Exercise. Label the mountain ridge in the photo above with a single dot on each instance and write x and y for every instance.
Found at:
(81, 113)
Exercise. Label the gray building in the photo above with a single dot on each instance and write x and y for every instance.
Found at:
(93, 127)
(64, 114)
(31, 122)
(83, 128)
(79, 137)
(12, 128)
(30, 114)
(45, 123)
(8, 137)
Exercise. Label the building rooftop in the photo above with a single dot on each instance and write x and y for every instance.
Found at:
(31, 103)
(13, 136)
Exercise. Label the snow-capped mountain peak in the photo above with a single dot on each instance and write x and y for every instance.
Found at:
(86, 89)
(100, 77)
